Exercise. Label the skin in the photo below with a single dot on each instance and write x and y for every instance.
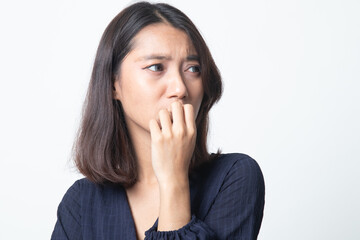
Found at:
(161, 98)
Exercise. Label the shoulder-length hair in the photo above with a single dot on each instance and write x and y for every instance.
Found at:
(102, 150)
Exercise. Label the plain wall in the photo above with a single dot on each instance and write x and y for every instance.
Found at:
(291, 72)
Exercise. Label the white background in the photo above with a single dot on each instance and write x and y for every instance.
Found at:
(291, 71)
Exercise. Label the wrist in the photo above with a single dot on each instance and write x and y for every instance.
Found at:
(175, 210)
(174, 185)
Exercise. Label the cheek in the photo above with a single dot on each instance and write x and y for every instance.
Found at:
(133, 87)
(141, 95)
(197, 93)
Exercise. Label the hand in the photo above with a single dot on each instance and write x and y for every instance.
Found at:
(173, 143)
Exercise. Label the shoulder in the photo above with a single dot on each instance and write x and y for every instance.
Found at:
(242, 171)
(228, 177)
(231, 165)
(83, 190)
(87, 198)
(234, 158)
(80, 185)
(73, 194)
(240, 165)
(236, 170)
(69, 210)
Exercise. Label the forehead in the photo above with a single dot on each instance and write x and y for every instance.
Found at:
(162, 38)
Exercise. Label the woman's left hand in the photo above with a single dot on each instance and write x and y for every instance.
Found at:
(173, 143)
(172, 146)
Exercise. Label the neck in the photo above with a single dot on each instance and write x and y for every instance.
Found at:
(141, 141)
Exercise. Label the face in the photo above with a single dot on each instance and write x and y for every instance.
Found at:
(161, 68)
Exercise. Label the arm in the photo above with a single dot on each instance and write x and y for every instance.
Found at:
(172, 145)
(174, 205)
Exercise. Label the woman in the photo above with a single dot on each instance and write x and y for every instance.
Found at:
(142, 142)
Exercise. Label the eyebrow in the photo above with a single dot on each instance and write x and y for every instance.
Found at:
(162, 57)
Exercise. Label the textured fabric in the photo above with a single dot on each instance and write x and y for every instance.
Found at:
(227, 202)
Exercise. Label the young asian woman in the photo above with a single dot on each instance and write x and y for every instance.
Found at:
(142, 142)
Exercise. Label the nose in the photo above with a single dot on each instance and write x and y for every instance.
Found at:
(177, 87)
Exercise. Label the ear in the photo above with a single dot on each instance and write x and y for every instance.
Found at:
(116, 90)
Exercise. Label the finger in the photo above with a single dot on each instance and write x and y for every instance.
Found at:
(178, 115)
(154, 128)
(165, 121)
(189, 117)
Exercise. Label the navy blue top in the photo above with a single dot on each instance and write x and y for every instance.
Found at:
(227, 202)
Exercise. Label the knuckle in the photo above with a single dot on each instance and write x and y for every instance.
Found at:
(167, 136)
(179, 132)
(191, 131)
(158, 138)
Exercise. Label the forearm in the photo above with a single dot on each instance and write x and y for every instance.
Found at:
(174, 205)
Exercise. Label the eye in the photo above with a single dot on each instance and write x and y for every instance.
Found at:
(195, 69)
(155, 67)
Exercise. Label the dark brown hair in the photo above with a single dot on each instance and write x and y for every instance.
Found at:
(103, 151)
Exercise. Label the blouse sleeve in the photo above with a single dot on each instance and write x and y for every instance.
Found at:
(236, 212)
(67, 226)
(195, 229)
